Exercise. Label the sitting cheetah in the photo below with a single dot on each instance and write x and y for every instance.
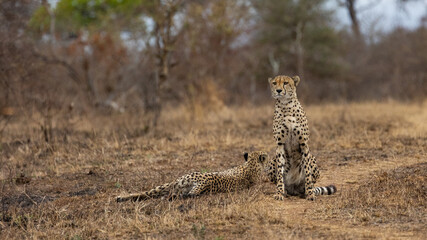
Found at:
(197, 183)
(293, 168)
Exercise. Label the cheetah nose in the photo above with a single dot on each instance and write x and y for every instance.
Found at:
(279, 90)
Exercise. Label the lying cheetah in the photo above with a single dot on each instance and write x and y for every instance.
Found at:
(293, 169)
(197, 183)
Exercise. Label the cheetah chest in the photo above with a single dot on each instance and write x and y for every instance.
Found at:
(284, 133)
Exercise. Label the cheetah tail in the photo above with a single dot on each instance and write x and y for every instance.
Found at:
(156, 192)
(328, 190)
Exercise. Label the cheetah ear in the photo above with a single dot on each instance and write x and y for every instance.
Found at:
(296, 80)
(269, 80)
(262, 158)
(245, 155)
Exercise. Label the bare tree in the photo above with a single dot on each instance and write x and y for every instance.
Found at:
(352, 13)
(165, 35)
(299, 50)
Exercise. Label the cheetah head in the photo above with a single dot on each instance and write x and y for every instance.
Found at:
(283, 86)
(258, 158)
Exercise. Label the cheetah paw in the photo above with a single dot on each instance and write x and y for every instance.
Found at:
(311, 197)
(279, 197)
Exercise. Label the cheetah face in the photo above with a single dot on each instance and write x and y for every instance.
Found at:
(283, 86)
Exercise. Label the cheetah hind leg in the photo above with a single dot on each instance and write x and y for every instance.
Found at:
(184, 192)
(315, 169)
(132, 197)
(197, 190)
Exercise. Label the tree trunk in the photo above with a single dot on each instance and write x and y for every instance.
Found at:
(164, 43)
(355, 26)
(299, 49)
(90, 83)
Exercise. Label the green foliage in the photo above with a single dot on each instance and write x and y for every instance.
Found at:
(199, 233)
(279, 20)
(73, 15)
(83, 13)
(323, 49)
(40, 21)
(76, 237)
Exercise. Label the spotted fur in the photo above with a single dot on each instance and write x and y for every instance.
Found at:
(195, 184)
(293, 169)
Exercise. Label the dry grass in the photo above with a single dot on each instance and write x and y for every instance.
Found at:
(374, 152)
(395, 197)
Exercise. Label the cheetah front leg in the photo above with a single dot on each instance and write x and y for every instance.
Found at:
(281, 171)
(308, 169)
(272, 170)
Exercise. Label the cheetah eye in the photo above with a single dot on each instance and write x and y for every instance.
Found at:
(274, 83)
(285, 83)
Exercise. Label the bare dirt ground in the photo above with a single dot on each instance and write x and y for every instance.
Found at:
(375, 153)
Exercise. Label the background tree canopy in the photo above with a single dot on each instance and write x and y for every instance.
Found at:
(72, 16)
(142, 54)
